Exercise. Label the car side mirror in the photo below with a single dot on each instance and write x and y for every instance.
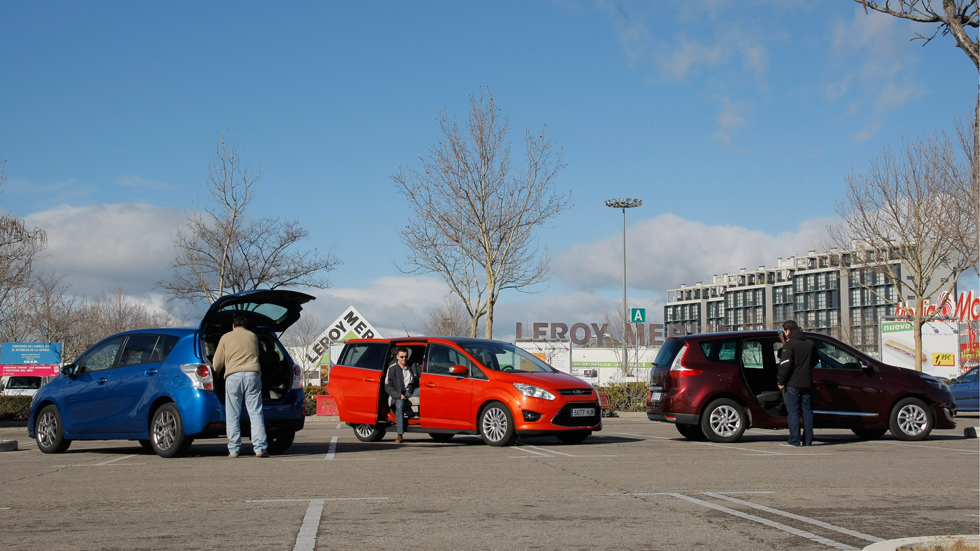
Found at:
(457, 370)
(868, 369)
(69, 370)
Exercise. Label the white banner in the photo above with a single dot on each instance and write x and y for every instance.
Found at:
(940, 346)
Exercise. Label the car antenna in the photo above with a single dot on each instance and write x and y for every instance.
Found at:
(406, 330)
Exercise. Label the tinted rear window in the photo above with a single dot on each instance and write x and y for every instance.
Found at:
(668, 351)
(367, 355)
(720, 351)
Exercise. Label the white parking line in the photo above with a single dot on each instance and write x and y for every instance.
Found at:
(724, 446)
(807, 520)
(340, 425)
(306, 538)
(332, 450)
(777, 525)
(109, 463)
(960, 450)
(4, 508)
(545, 452)
(332, 454)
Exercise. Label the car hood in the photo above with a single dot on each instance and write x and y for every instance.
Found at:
(263, 308)
(548, 381)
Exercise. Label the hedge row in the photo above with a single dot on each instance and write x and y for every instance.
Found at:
(15, 408)
(626, 396)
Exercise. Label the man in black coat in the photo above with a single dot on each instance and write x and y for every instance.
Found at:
(401, 383)
(795, 377)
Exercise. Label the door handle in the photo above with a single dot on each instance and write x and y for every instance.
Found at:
(370, 380)
(430, 385)
(102, 381)
(150, 372)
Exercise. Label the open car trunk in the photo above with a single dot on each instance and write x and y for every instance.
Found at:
(277, 375)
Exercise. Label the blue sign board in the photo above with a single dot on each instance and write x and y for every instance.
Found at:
(30, 358)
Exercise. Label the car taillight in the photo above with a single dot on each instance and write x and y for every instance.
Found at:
(297, 377)
(678, 369)
(200, 375)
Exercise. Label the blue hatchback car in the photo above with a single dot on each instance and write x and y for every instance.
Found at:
(157, 385)
(966, 390)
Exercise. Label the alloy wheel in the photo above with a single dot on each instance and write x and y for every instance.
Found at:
(912, 419)
(364, 430)
(165, 430)
(724, 420)
(47, 428)
(495, 424)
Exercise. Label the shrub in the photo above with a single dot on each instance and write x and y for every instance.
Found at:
(15, 408)
(311, 391)
(626, 396)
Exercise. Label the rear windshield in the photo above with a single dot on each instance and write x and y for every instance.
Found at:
(668, 351)
(274, 312)
(369, 355)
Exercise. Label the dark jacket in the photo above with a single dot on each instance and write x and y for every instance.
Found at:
(796, 361)
(395, 383)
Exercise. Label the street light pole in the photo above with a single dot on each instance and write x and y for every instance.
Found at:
(624, 204)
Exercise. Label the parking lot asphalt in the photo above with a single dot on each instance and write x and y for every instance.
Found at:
(634, 485)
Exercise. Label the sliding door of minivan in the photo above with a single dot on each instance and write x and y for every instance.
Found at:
(355, 382)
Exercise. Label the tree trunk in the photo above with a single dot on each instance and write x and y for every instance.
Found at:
(489, 321)
(917, 334)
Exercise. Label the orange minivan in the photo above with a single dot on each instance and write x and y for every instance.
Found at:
(467, 386)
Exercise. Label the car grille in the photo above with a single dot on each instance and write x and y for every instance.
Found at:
(564, 417)
(575, 392)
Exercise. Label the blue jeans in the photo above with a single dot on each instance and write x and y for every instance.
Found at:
(795, 399)
(245, 386)
(400, 407)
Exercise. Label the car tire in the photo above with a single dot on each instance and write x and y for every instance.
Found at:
(723, 421)
(441, 436)
(691, 432)
(368, 433)
(869, 434)
(496, 425)
(167, 432)
(281, 441)
(49, 431)
(573, 437)
(911, 419)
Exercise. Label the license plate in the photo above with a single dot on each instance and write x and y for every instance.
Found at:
(583, 412)
(654, 396)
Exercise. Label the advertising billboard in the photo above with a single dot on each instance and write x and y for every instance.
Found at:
(940, 346)
(37, 359)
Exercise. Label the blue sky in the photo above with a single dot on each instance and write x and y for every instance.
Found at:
(736, 122)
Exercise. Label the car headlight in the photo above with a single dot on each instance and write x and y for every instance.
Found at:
(934, 382)
(533, 392)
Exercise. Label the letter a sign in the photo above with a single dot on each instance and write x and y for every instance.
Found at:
(638, 315)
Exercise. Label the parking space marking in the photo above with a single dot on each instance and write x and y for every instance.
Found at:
(772, 524)
(109, 463)
(960, 450)
(306, 538)
(332, 454)
(340, 425)
(545, 452)
(725, 446)
(332, 450)
(800, 518)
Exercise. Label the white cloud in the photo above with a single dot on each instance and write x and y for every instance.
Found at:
(665, 251)
(102, 247)
(729, 120)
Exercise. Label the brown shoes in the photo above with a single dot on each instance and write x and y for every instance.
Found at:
(398, 439)
(232, 456)
(261, 455)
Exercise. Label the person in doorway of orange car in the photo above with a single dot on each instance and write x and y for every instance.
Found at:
(401, 383)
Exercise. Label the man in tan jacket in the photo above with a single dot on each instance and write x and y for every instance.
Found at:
(237, 356)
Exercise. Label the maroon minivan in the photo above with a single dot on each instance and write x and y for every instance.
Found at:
(716, 385)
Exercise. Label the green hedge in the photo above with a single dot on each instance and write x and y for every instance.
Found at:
(626, 396)
(15, 408)
(311, 391)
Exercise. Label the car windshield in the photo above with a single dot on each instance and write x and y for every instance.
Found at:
(500, 356)
(24, 382)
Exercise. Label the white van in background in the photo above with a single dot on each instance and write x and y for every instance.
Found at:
(21, 386)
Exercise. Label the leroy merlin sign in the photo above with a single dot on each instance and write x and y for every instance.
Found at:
(350, 325)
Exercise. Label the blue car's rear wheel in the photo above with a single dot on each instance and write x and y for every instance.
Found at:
(167, 432)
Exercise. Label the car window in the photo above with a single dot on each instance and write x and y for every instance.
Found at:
(835, 357)
(165, 344)
(138, 350)
(102, 357)
(752, 355)
(499, 356)
(368, 355)
(441, 358)
(668, 351)
(720, 351)
(970, 377)
(24, 383)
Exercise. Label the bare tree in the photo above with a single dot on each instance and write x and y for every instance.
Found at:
(954, 18)
(474, 213)
(221, 250)
(898, 212)
(20, 247)
(619, 332)
(300, 336)
(448, 318)
(964, 194)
